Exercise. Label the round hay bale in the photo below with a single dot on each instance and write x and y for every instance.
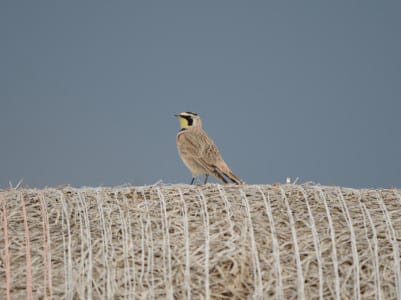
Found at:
(205, 242)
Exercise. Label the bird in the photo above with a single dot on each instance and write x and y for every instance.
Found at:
(198, 151)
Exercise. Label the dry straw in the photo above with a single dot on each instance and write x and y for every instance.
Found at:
(201, 242)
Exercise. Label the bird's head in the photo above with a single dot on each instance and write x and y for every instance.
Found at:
(189, 119)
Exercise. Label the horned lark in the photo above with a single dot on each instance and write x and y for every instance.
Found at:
(198, 151)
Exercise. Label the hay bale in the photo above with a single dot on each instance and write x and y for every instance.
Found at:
(212, 241)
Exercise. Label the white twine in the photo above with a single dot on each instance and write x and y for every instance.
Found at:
(105, 242)
(258, 286)
(398, 196)
(130, 251)
(316, 241)
(375, 252)
(394, 243)
(65, 221)
(84, 228)
(47, 246)
(166, 246)
(355, 257)
(333, 243)
(276, 247)
(228, 217)
(187, 274)
(125, 238)
(148, 238)
(205, 217)
(300, 275)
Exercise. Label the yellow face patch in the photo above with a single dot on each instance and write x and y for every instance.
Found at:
(183, 122)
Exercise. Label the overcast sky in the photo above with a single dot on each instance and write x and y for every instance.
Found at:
(308, 89)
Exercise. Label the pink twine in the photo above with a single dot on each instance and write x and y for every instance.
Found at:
(6, 250)
(46, 250)
(27, 250)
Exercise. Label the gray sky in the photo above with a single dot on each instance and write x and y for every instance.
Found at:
(88, 90)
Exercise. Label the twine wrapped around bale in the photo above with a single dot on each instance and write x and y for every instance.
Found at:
(201, 242)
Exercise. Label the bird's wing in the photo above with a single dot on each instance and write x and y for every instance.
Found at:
(213, 158)
(188, 144)
(205, 152)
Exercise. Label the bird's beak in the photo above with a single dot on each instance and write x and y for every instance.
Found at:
(176, 115)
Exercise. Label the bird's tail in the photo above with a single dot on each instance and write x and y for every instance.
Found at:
(225, 170)
(230, 175)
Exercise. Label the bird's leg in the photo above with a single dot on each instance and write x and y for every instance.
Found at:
(192, 181)
(206, 177)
